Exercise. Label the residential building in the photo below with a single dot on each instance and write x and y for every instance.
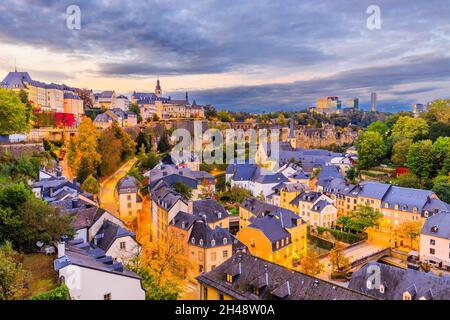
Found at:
(122, 102)
(92, 275)
(105, 100)
(123, 118)
(435, 240)
(246, 277)
(271, 232)
(73, 104)
(315, 208)
(130, 202)
(399, 284)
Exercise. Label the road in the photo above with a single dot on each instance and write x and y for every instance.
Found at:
(107, 196)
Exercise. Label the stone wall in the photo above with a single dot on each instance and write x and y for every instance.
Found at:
(311, 137)
(19, 149)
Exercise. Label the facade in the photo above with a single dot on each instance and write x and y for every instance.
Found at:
(399, 284)
(123, 118)
(245, 277)
(315, 208)
(105, 100)
(93, 276)
(122, 102)
(435, 240)
(130, 202)
(271, 232)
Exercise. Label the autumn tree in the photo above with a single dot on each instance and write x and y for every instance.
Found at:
(86, 143)
(310, 264)
(12, 273)
(339, 261)
(86, 96)
(410, 128)
(110, 149)
(13, 113)
(410, 230)
(207, 190)
(84, 170)
(91, 185)
(441, 110)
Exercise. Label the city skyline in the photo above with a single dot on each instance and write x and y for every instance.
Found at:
(250, 57)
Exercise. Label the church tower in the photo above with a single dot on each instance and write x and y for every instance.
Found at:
(292, 138)
(158, 91)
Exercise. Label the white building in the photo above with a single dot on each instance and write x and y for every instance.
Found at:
(435, 240)
(90, 276)
(130, 203)
(122, 102)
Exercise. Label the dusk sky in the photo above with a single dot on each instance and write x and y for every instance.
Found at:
(241, 55)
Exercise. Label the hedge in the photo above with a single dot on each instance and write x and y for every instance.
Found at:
(59, 293)
(343, 236)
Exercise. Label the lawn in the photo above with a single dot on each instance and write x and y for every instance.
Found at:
(42, 275)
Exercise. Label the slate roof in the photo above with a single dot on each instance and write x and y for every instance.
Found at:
(320, 205)
(16, 80)
(397, 281)
(308, 196)
(108, 233)
(438, 225)
(327, 174)
(202, 235)
(84, 218)
(165, 196)
(260, 209)
(128, 183)
(172, 173)
(252, 172)
(249, 270)
(183, 220)
(406, 198)
(211, 209)
(374, 190)
(272, 229)
(92, 259)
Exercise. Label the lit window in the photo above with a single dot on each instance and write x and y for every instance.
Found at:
(229, 278)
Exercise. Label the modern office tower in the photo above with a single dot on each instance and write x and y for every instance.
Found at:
(373, 102)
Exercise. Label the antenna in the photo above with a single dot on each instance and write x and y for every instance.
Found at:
(15, 64)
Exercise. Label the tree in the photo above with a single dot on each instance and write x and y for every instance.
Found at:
(363, 217)
(142, 140)
(410, 128)
(441, 152)
(13, 196)
(420, 158)
(86, 143)
(310, 264)
(339, 261)
(441, 110)
(135, 109)
(147, 160)
(58, 293)
(163, 143)
(23, 95)
(12, 274)
(86, 96)
(238, 195)
(371, 149)
(91, 185)
(207, 191)
(261, 196)
(407, 180)
(167, 291)
(410, 230)
(378, 126)
(281, 119)
(400, 151)
(351, 174)
(13, 113)
(110, 149)
(183, 189)
(442, 190)
(84, 170)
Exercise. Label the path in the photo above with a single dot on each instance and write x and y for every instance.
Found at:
(107, 196)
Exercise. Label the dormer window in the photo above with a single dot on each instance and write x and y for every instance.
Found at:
(396, 207)
(434, 229)
(201, 242)
(193, 240)
(381, 288)
(406, 296)
(225, 240)
(213, 243)
(229, 278)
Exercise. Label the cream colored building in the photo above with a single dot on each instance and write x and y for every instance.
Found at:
(435, 240)
(130, 202)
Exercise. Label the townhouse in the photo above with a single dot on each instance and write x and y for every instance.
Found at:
(130, 202)
(105, 100)
(393, 283)
(435, 240)
(246, 277)
(315, 208)
(273, 233)
(123, 118)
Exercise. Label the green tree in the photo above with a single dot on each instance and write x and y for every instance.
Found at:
(148, 160)
(410, 128)
(378, 126)
(442, 190)
(441, 152)
(183, 189)
(142, 140)
(91, 185)
(13, 196)
(407, 180)
(23, 95)
(351, 174)
(154, 291)
(420, 159)
(135, 109)
(13, 113)
(12, 273)
(441, 110)
(371, 149)
(59, 293)
(163, 143)
(84, 170)
(364, 217)
(400, 151)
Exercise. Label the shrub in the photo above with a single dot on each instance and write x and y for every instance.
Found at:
(59, 293)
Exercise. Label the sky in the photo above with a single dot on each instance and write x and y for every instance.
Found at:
(240, 55)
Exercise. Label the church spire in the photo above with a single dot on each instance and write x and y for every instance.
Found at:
(291, 126)
(158, 91)
(187, 97)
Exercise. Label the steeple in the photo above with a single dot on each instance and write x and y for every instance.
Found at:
(15, 64)
(187, 97)
(158, 91)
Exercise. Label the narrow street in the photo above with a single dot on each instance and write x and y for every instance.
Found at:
(107, 196)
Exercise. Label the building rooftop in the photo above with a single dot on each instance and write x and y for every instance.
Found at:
(272, 281)
(438, 225)
(210, 209)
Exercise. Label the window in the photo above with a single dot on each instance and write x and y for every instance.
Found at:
(129, 197)
(213, 243)
(123, 245)
(213, 256)
(107, 296)
(201, 242)
(129, 205)
(432, 251)
(225, 240)
(225, 253)
(278, 244)
(381, 289)
(229, 278)
(193, 240)
(432, 242)
(213, 267)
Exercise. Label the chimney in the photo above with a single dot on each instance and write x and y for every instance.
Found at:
(61, 249)
(75, 203)
(191, 207)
